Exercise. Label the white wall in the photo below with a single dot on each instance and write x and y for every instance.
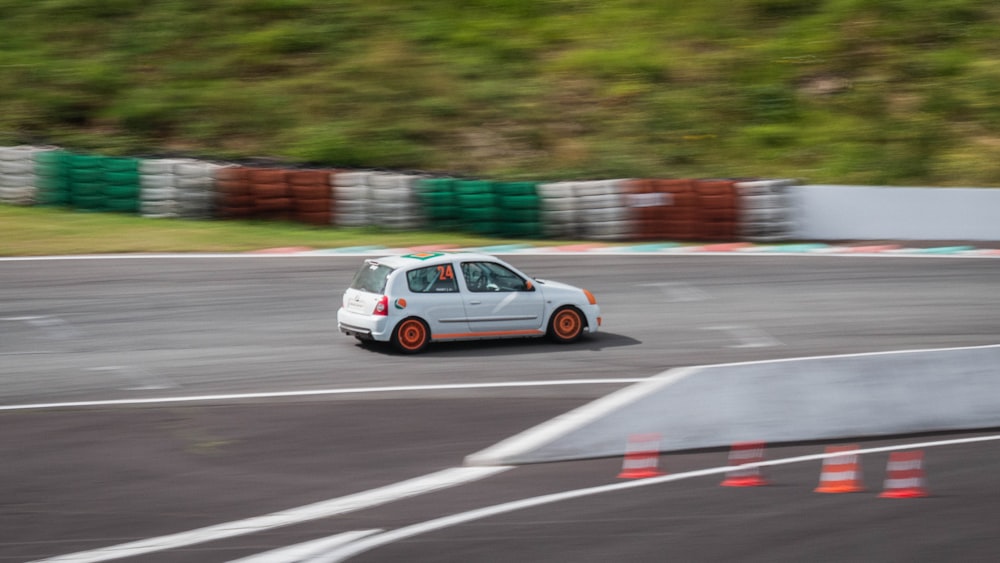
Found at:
(828, 212)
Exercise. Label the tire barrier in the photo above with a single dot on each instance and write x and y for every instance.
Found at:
(312, 196)
(479, 207)
(395, 203)
(766, 210)
(649, 209)
(52, 177)
(121, 184)
(233, 194)
(195, 184)
(663, 209)
(272, 197)
(440, 203)
(592, 210)
(18, 178)
(520, 209)
(158, 189)
(352, 199)
(718, 210)
(558, 210)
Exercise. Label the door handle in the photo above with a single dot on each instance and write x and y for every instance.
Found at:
(475, 302)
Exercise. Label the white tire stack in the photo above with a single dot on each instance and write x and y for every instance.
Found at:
(195, 183)
(603, 210)
(17, 175)
(394, 201)
(559, 210)
(766, 210)
(158, 188)
(352, 203)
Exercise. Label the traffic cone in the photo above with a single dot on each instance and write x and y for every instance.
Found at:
(642, 454)
(905, 476)
(741, 454)
(841, 473)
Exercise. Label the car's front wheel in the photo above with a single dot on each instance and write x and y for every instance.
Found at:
(566, 325)
(411, 336)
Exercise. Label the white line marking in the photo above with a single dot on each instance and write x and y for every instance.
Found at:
(551, 429)
(314, 392)
(143, 378)
(53, 327)
(307, 550)
(984, 253)
(748, 336)
(386, 538)
(679, 292)
(324, 509)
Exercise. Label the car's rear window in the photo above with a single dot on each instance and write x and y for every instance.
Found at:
(371, 277)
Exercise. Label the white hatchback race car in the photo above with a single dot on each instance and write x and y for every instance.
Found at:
(414, 299)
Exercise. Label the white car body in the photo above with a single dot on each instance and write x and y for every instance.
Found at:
(459, 296)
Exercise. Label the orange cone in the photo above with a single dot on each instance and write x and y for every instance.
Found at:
(905, 476)
(642, 455)
(841, 473)
(741, 454)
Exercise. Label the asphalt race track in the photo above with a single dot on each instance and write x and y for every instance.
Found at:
(278, 411)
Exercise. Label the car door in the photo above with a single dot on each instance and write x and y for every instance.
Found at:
(499, 301)
(435, 297)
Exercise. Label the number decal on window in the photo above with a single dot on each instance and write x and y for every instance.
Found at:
(446, 272)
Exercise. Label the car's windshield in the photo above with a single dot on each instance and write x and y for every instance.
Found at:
(371, 277)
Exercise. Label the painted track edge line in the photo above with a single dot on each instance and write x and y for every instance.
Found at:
(323, 509)
(318, 392)
(547, 431)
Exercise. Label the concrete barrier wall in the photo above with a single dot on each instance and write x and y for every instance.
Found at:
(827, 212)
(781, 401)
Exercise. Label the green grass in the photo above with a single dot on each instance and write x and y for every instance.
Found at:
(899, 92)
(35, 231)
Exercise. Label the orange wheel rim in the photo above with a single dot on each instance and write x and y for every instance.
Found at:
(568, 324)
(412, 335)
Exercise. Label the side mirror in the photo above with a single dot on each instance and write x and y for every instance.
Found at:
(528, 286)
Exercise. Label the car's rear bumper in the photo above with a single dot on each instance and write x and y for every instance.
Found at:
(363, 326)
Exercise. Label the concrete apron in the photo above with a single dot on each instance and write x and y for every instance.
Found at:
(778, 401)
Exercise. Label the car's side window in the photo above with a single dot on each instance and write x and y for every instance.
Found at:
(488, 276)
(432, 279)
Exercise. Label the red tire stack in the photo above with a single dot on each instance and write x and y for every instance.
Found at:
(663, 209)
(272, 196)
(234, 193)
(648, 208)
(718, 210)
(681, 223)
(312, 196)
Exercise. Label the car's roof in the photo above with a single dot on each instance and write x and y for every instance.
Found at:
(430, 258)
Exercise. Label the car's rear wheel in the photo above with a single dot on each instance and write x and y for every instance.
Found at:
(411, 336)
(566, 325)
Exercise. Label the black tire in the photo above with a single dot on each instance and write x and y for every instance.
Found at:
(411, 336)
(566, 325)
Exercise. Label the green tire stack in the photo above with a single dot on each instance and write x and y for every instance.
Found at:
(86, 179)
(52, 178)
(478, 206)
(440, 203)
(121, 184)
(520, 209)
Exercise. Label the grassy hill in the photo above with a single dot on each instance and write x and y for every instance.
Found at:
(832, 91)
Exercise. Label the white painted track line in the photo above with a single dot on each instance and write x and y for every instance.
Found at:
(324, 509)
(372, 542)
(315, 392)
(307, 550)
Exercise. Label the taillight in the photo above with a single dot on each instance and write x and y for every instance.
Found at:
(590, 297)
(382, 307)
